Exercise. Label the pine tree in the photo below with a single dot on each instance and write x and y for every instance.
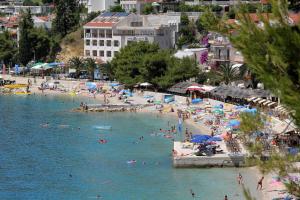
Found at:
(67, 16)
(25, 46)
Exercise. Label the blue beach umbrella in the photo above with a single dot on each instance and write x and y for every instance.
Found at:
(234, 123)
(214, 139)
(91, 85)
(114, 84)
(200, 138)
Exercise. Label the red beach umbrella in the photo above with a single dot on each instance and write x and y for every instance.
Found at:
(195, 88)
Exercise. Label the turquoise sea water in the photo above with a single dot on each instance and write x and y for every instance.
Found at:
(65, 162)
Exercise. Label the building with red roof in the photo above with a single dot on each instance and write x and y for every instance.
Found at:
(105, 35)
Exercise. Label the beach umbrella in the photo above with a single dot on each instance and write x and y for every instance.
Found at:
(91, 85)
(218, 111)
(146, 84)
(195, 101)
(200, 138)
(234, 123)
(195, 88)
(114, 84)
(214, 139)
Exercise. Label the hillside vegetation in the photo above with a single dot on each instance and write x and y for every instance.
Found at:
(72, 45)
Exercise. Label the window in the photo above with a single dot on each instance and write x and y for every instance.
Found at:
(87, 53)
(108, 43)
(136, 24)
(101, 43)
(116, 43)
(101, 53)
(87, 42)
(115, 53)
(94, 42)
(94, 53)
(108, 33)
(108, 54)
(101, 33)
(87, 33)
(94, 33)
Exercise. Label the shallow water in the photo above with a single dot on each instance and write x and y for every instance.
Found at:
(65, 162)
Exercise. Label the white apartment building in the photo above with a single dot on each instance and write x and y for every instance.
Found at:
(129, 5)
(108, 33)
(218, 2)
(99, 5)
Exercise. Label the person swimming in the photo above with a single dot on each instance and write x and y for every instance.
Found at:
(102, 141)
(131, 161)
(45, 125)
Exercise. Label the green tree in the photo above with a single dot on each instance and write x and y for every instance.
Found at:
(30, 3)
(227, 73)
(272, 54)
(90, 65)
(142, 61)
(231, 13)
(147, 9)
(47, 1)
(40, 43)
(251, 123)
(184, 19)
(116, 8)
(25, 46)
(66, 16)
(7, 48)
(91, 16)
(76, 63)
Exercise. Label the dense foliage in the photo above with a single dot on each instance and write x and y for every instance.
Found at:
(116, 8)
(188, 31)
(271, 52)
(66, 16)
(79, 64)
(35, 43)
(25, 46)
(8, 48)
(144, 62)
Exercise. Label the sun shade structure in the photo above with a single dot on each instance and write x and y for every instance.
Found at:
(242, 93)
(194, 88)
(181, 88)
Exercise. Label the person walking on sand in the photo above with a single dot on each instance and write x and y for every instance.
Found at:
(259, 184)
(240, 179)
(225, 198)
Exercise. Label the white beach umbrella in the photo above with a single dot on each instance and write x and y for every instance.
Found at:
(195, 88)
(146, 84)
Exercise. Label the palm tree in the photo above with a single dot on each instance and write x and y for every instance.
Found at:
(227, 73)
(90, 65)
(76, 63)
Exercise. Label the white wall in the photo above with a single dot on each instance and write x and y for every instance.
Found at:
(100, 5)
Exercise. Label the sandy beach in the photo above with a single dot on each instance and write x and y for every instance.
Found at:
(251, 175)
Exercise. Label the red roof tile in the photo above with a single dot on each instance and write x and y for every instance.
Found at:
(231, 21)
(100, 24)
(256, 18)
(295, 17)
(264, 1)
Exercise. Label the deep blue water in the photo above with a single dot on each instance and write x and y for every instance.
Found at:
(68, 163)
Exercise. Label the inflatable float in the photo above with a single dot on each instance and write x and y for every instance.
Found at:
(102, 127)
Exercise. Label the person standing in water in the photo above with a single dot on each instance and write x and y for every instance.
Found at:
(240, 179)
(192, 193)
(259, 184)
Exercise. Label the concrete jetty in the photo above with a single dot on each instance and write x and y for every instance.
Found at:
(184, 157)
(110, 107)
